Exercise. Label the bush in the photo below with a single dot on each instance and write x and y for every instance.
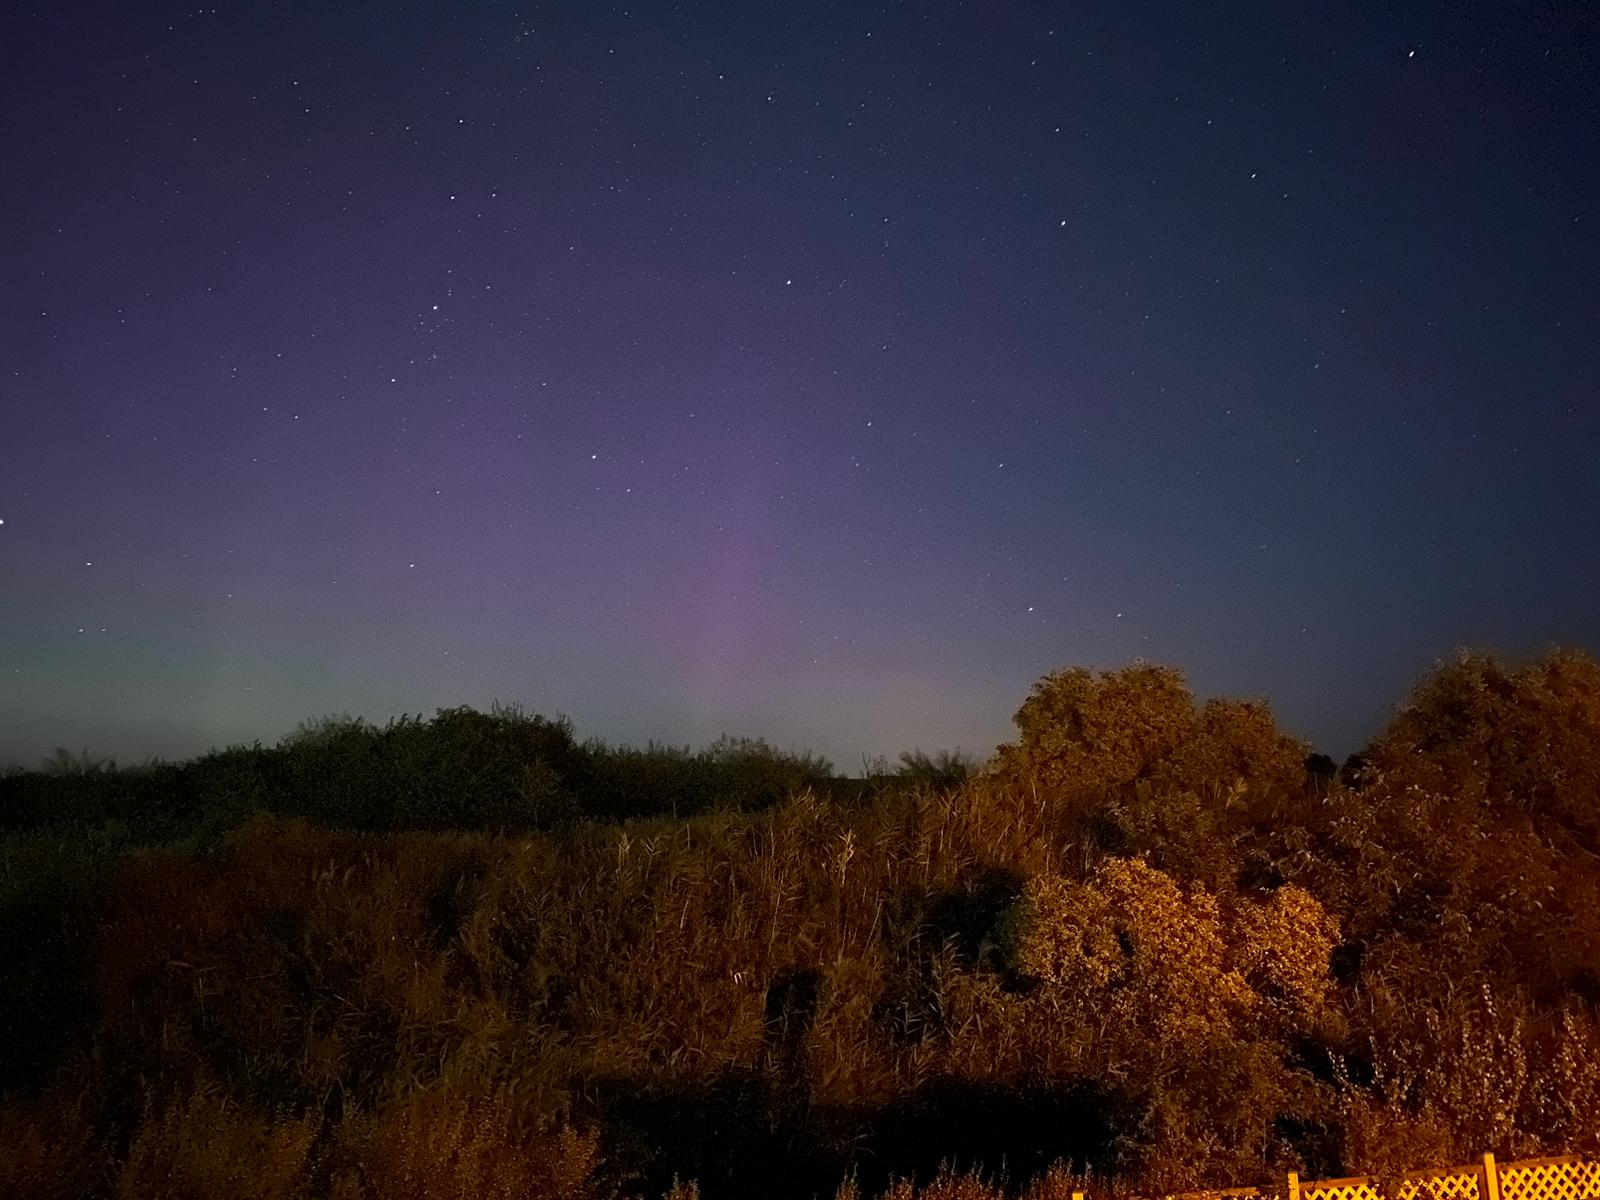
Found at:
(1085, 732)
(207, 1146)
(1084, 736)
(1517, 740)
(1130, 946)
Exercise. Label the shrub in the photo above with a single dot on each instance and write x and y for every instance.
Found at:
(947, 768)
(206, 1146)
(1282, 947)
(442, 1145)
(1131, 945)
(1081, 731)
(1237, 742)
(1516, 740)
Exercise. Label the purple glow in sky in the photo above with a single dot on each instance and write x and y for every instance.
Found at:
(820, 372)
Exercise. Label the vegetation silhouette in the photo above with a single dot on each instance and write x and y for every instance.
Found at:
(505, 770)
(1152, 943)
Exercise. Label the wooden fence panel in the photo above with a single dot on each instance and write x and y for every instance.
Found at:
(1451, 1183)
(1550, 1179)
(1355, 1188)
(1530, 1179)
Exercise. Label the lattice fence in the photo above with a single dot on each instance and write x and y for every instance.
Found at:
(1336, 1189)
(1531, 1179)
(1452, 1183)
(1550, 1179)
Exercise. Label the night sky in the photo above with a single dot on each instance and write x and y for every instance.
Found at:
(819, 372)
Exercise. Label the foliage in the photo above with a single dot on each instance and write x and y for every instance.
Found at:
(1146, 959)
(1517, 741)
(1128, 760)
(461, 769)
(423, 968)
(1281, 947)
(1081, 731)
(945, 768)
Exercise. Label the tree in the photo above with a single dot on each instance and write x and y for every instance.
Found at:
(1081, 731)
(1514, 740)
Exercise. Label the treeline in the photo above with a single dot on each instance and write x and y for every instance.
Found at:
(504, 770)
(1152, 945)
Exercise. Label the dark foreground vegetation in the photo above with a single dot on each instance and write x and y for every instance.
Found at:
(1151, 945)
